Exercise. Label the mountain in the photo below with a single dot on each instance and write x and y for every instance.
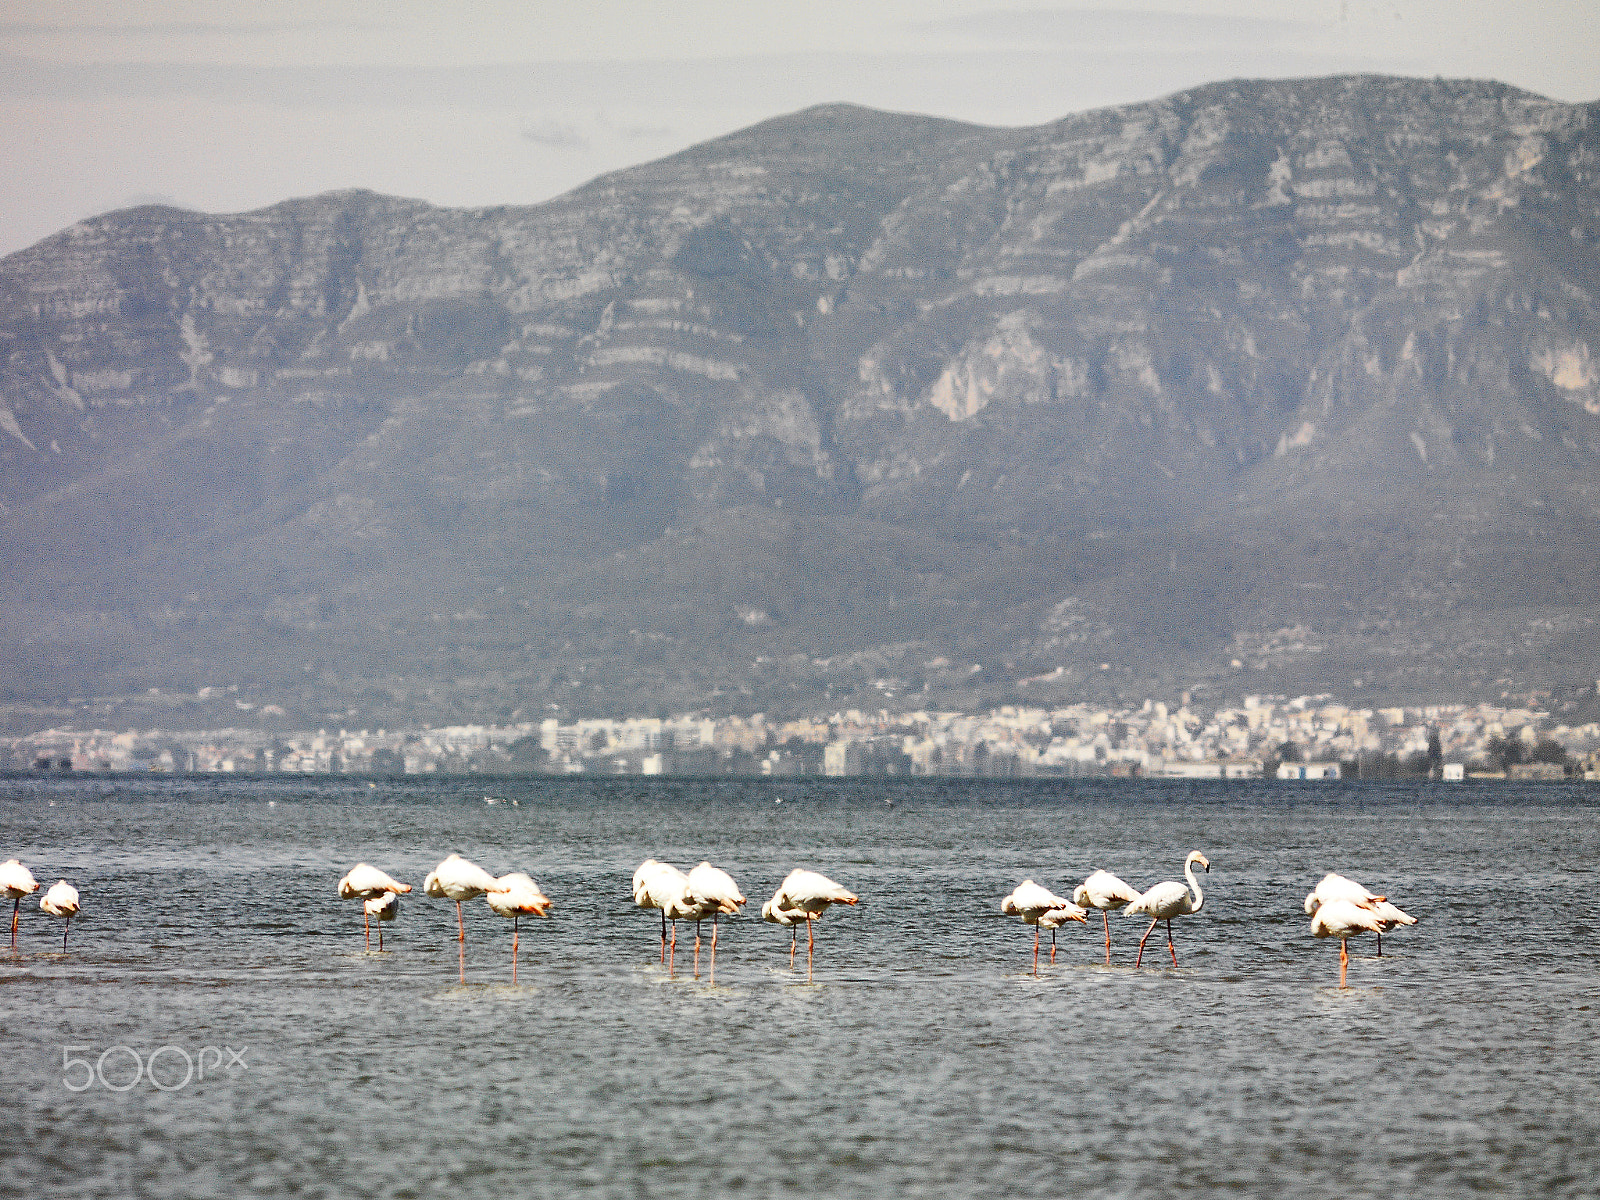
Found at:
(1266, 385)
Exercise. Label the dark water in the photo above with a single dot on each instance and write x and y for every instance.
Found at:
(924, 1060)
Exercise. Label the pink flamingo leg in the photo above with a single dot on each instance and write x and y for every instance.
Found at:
(697, 949)
(1344, 960)
(380, 937)
(1147, 932)
(1035, 949)
(794, 936)
(366, 927)
(811, 946)
(15, 904)
(1169, 943)
(713, 948)
(672, 954)
(1106, 919)
(1052, 947)
(663, 937)
(462, 927)
(515, 921)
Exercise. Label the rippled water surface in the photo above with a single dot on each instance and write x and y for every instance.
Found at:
(925, 1059)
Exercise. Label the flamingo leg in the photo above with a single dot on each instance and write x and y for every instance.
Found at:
(366, 927)
(1380, 943)
(672, 953)
(794, 936)
(462, 955)
(515, 921)
(1344, 960)
(1147, 933)
(15, 904)
(697, 949)
(713, 948)
(811, 946)
(380, 937)
(64, 933)
(1169, 942)
(663, 936)
(1052, 947)
(1035, 949)
(1106, 920)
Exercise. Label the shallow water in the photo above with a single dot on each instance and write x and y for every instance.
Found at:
(925, 1059)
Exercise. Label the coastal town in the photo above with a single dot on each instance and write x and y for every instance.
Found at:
(1304, 737)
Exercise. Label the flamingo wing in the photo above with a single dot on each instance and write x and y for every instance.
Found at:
(457, 879)
(1104, 890)
(365, 880)
(521, 897)
(16, 880)
(1391, 915)
(61, 900)
(1164, 900)
(812, 891)
(714, 888)
(1031, 900)
(1344, 918)
(1057, 917)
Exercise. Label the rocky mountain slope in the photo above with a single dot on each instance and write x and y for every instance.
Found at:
(1265, 385)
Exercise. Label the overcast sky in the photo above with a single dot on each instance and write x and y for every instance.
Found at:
(229, 105)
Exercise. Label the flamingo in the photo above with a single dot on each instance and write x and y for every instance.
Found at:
(787, 917)
(522, 895)
(61, 901)
(655, 885)
(712, 892)
(1168, 900)
(810, 893)
(1337, 887)
(1344, 919)
(366, 882)
(1032, 902)
(457, 879)
(16, 881)
(1104, 891)
(1055, 919)
(385, 906)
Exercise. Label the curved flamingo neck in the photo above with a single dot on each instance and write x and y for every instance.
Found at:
(1188, 874)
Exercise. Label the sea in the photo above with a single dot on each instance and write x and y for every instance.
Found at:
(218, 1026)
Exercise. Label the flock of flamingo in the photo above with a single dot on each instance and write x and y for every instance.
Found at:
(1338, 907)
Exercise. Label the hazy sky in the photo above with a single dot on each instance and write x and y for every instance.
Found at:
(229, 105)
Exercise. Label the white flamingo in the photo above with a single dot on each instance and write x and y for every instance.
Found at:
(810, 893)
(658, 885)
(788, 918)
(61, 901)
(521, 897)
(16, 881)
(1056, 918)
(365, 882)
(457, 879)
(383, 907)
(712, 892)
(1104, 891)
(1333, 886)
(1344, 919)
(1168, 900)
(1032, 902)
